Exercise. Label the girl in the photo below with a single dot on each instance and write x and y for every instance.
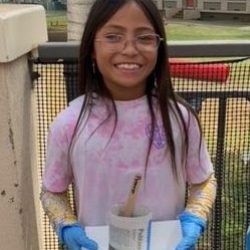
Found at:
(127, 121)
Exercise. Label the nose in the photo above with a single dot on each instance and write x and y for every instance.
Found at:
(130, 48)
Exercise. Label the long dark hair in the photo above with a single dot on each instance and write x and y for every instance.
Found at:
(158, 83)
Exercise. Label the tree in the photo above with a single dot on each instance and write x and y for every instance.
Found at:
(77, 12)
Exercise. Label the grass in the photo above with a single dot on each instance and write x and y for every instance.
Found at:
(56, 20)
(57, 25)
(205, 31)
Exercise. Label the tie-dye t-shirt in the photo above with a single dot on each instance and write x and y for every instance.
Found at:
(103, 161)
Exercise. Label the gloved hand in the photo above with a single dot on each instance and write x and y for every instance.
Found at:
(248, 239)
(74, 237)
(192, 228)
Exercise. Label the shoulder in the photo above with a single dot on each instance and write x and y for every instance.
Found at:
(67, 118)
(186, 119)
(181, 110)
(72, 111)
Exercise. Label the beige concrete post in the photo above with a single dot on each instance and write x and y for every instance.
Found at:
(22, 27)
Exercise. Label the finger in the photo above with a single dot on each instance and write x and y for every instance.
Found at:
(90, 244)
(185, 244)
(72, 243)
(87, 243)
(74, 246)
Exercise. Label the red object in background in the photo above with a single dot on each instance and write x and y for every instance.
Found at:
(218, 72)
(189, 3)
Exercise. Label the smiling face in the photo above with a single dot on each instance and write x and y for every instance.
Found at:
(125, 70)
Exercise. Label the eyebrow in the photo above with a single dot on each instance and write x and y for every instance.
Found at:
(142, 28)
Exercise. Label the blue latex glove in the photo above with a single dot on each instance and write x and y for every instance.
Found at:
(75, 238)
(248, 239)
(192, 228)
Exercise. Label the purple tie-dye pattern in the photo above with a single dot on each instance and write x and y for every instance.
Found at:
(102, 169)
(159, 140)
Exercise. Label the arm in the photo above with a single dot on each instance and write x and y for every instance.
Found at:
(57, 177)
(57, 208)
(61, 216)
(201, 198)
(194, 218)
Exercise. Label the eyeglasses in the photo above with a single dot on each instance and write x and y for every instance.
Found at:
(144, 43)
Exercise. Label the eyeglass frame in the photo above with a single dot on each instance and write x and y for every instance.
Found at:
(124, 41)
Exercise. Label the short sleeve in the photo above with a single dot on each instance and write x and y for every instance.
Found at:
(199, 166)
(58, 172)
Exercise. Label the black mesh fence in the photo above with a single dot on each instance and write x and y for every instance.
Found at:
(220, 93)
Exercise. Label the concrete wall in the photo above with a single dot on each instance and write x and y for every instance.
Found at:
(170, 12)
(190, 14)
(224, 7)
(19, 189)
(19, 223)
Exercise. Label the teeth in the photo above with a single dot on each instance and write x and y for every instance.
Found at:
(128, 66)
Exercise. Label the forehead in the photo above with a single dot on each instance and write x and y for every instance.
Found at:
(129, 16)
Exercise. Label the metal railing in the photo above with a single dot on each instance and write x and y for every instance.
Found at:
(227, 48)
(219, 90)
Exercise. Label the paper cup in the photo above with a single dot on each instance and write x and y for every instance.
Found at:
(129, 233)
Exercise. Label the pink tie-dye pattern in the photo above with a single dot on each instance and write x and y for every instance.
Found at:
(57, 177)
(102, 167)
